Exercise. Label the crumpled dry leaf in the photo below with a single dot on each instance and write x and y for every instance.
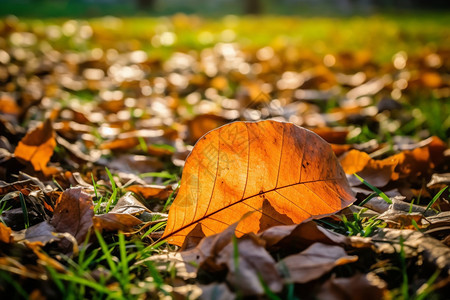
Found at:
(415, 242)
(299, 237)
(128, 204)
(163, 261)
(42, 232)
(37, 147)
(253, 264)
(116, 221)
(377, 204)
(208, 248)
(401, 214)
(357, 287)
(73, 214)
(274, 169)
(439, 180)
(314, 262)
(408, 164)
(377, 172)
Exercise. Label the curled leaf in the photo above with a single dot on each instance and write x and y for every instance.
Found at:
(314, 262)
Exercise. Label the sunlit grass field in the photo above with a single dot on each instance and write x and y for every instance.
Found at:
(378, 36)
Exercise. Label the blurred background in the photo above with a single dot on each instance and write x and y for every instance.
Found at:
(371, 69)
(95, 8)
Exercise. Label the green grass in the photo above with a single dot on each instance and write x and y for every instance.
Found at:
(412, 33)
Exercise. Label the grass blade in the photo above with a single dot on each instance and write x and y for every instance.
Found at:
(435, 199)
(375, 189)
(24, 210)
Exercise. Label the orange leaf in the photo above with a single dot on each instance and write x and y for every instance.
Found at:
(283, 173)
(408, 164)
(37, 146)
(5, 233)
(377, 172)
(151, 191)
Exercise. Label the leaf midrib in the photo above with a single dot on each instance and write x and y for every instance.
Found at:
(206, 216)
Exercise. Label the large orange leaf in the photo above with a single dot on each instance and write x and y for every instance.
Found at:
(283, 173)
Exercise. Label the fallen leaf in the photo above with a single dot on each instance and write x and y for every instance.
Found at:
(313, 263)
(332, 135)
(5, 233)
(202, 124)
(357, 287)
(377, 204)
(302, 235)
(377, 172)
(434, 251)
(275, 169)
(209, 247)
(216, 291)
(439, 180)
(151, 191)
(73, 214)
(116, 221)
(408, 164)
(8, 105)
(184, 268)
(253, 265)
(37, 146)
(24, 186)
(135, 164)
(128, 204)
(42, 232)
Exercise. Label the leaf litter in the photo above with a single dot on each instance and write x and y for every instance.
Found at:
(95, 140)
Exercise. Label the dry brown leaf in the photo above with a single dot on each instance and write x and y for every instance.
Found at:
(116, 221)
(314, 262)
(135, 164)
(434, 251)
(283, 173)
(73, 214)
(42, 232)
(358, 287)
(439, 180)
(24, 186)
(253, 266)
(209, 247)
(37, 147)
(300, 236)
(128, 204)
